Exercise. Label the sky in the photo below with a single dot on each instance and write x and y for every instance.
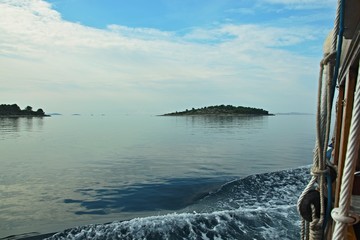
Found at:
(159, 56)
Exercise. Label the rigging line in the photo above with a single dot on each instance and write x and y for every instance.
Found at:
(341, 214)
(340, 27)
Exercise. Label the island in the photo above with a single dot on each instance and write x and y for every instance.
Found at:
(221, 110)
(13, 110)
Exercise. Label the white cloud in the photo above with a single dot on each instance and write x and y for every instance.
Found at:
(141, 33)
(304, 4)
(243, 11)
(47, 58)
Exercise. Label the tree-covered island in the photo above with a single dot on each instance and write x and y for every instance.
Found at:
(13, 110)
(220, 110)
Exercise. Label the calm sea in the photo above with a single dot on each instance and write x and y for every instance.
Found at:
(65, 171)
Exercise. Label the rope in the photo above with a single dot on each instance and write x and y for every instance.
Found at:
(351, 219)
(315, 227)
(336, 25)
(329, 57)
(339, 26)
(318, 170)
(323, 121)
(341, 214)
(307, 227)
(316, 152)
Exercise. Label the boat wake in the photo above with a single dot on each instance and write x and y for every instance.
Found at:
(261, 206)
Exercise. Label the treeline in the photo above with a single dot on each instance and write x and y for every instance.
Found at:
(221, 110)
(14, 110)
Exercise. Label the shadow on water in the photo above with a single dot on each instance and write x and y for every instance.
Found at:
(172, 194)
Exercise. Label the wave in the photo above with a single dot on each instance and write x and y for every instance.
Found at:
(279, 223)
(260, 206)
(267, 190)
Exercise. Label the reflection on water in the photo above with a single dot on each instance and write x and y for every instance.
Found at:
(225, 121)
(12, 126)
(9, 125)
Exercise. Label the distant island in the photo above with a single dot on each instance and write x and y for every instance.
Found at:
(294, 113)
(13, 110)
(220, 110)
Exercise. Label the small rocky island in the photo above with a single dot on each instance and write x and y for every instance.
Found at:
(220, 110)
(13, 110)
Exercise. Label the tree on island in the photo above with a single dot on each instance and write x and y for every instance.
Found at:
(14, 110)
(28, 109)
(6, 109)
(221, 110)
(40, 112)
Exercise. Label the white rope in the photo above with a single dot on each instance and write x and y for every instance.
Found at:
(323, 121)
(316, 151)
(325, 126)
(319, 161)
(336, 25)
(349, 169)
(351, 219)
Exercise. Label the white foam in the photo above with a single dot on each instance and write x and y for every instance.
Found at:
(258, 207)
(260, 223)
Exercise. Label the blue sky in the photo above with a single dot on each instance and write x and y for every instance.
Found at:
(152, 57)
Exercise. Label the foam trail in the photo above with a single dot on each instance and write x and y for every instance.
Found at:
(260, 206)
(235, 224)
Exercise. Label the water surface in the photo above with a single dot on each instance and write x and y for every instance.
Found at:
(65, 171)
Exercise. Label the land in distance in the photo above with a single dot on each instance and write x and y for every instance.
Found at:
(13, 110)
(220, 110)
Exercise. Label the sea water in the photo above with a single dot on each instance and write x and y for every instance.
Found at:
(151, 177)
